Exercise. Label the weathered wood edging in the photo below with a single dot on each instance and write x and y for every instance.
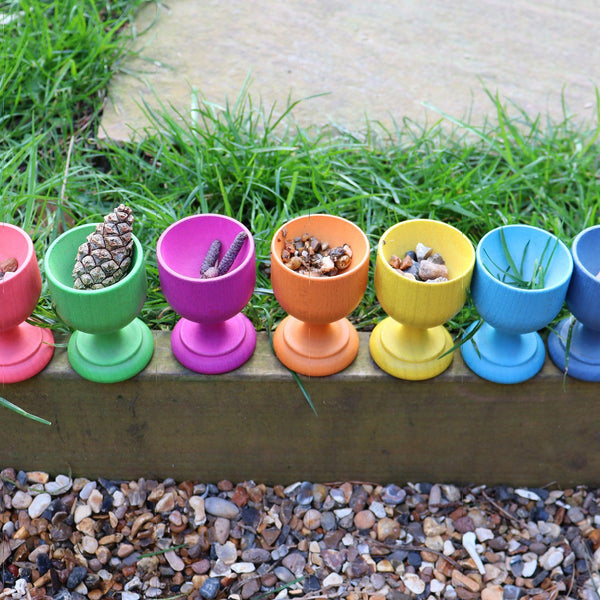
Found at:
(254, 423)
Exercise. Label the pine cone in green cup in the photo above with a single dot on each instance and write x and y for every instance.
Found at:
(105, 257)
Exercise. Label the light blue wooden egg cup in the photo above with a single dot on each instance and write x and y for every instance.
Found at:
(507, 347)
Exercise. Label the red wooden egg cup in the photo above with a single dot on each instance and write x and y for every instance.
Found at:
(212, 336)
(24, 349)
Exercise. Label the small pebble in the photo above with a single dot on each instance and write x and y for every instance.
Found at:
(38, 505)
(210, 588)
(333, 580)
(393, 494)
(414, 583)
(220, 507)
(312, 519)
(364, 519)
(21, 500)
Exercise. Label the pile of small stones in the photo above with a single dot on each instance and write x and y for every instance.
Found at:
(308, 255)
(72, 539)
(421, 264)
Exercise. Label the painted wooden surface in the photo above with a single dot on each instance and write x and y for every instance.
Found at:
(254, 423)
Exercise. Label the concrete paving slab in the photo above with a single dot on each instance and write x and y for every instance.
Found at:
(377, 59)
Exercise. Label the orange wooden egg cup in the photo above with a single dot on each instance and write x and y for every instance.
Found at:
(316, 338)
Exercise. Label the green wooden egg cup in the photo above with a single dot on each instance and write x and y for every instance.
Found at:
(109, 343)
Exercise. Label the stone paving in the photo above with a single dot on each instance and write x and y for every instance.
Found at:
(379, 59)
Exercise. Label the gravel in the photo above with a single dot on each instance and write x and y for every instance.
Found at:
(73, 539)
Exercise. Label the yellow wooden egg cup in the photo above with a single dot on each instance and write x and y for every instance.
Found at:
(410, 342)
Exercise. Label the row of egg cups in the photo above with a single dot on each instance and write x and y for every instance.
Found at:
(110, 343)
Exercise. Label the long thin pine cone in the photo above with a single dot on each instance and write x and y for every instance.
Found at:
(211, 258)
(105, 257)
(232, 252)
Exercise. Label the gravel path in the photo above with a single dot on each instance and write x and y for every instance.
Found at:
(69, 538)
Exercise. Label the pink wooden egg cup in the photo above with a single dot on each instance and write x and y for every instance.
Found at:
(212, 336)
(24, 349)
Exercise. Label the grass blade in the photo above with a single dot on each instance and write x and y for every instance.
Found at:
(6, 404)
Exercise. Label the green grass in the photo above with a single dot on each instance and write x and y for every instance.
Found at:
(56, 59)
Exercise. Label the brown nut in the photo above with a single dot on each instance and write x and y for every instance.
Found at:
(10, 265)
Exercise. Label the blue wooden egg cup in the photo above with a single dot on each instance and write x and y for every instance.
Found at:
(583, 300)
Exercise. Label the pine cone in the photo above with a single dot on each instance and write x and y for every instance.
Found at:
(106, 256)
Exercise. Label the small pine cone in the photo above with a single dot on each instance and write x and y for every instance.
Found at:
(105, 257)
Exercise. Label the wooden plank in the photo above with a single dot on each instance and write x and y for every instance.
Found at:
(254, 423)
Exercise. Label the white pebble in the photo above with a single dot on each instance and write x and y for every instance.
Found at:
(118, 498)
(530, 564)
(21, 500)
(528, 494)
(340, 513)
(86, 490)
(552, 558)
(449, 548)
(89, 544)
(333, 580)
(21, 587)
(39, 505)
(61, 485)
(338, 495)
(130, 596)
(436, 587)
(197, 505)
(81, 512)
(378, 509)
(414, 583)
(484, 534)
(94, 501)
(243, 567)
(226, 552)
